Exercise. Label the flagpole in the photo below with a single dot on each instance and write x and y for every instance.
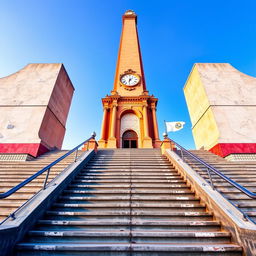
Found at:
(165, 128)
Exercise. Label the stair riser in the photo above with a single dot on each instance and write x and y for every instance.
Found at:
(126, 239)
(153, 210)
(127, 199)
(127, 228)
(127, 253)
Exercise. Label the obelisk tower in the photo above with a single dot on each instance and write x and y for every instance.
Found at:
(129, 118)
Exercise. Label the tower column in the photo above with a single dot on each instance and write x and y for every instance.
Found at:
(103, 126)
(145, 121)
(113, 122)
(112, 140)
(147, 141)
(118, 124)
(156, 133)
(102, 141)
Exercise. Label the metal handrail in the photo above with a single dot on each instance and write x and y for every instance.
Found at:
(211, 168)
(46, 168)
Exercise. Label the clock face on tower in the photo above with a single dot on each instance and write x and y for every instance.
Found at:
(129, 79)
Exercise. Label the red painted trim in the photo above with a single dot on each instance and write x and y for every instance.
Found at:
(34, 149)
(225, 149)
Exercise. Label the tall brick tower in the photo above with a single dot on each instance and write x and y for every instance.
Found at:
(129, 118)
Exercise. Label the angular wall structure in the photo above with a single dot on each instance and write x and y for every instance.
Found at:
(222, 106)
(34, 105)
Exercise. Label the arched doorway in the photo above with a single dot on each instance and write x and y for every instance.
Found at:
(130, 139)
(129, 122)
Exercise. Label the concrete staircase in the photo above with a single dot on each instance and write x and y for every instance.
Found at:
(12, 173)
(243, 173)
(128, 202)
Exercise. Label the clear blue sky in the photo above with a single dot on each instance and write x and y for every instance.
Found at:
(84, 35)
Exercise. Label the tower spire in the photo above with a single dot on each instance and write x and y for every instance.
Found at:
(129, 55)
(129, 113)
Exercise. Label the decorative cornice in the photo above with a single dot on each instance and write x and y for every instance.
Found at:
(116, 99)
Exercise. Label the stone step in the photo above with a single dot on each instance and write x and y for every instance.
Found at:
(130, 176)
(250, 186)
(127, 191)
(132, 204)
(128, 157)
(124, 224)
(9, 201)
(228, 165)
(134, 181)
(24, 174)
(131, 197)
(26, 189)
(125, 236)
(230, 190)
(20, 165)
(231, 174)
(128, 185)
(124, 182)
(35, 186)
(129, 172)
(238, 179)
(138, 166)
(146, 214)
(139, 248)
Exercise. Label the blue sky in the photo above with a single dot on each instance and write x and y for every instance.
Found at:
(84, 35)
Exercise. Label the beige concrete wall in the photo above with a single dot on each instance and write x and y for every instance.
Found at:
(34, 105)
(32, 85)
(206, 132)
(196, 96)
(222, 105)
(236, 124)
(20, 124)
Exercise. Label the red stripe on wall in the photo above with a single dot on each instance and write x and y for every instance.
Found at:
(33, 149)
(225, 149)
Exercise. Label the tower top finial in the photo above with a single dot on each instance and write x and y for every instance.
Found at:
(130, 13)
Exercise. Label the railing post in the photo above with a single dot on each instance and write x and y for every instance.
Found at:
(12, 216)
(210, 177)
(76, 155)
(182, 155)
(46, 178)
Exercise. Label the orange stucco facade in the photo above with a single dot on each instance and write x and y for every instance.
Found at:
(129, 107)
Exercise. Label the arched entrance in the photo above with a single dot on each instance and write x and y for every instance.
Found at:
(129, 122)
(130, 139)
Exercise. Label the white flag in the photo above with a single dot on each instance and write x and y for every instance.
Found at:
(174, 126)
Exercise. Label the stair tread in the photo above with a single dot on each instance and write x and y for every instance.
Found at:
(155, 233)
(126, 246)
(140, 222)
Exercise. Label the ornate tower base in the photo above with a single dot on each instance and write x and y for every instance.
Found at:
(129, 122)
